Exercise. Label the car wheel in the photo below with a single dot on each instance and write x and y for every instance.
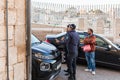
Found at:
(34, 75)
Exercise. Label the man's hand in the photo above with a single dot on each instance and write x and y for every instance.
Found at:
(57, 41)
(62, 38)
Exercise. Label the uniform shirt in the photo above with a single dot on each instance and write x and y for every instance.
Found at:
(72, 42)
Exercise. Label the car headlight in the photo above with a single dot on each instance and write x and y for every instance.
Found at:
(38, 55)
(44, 66)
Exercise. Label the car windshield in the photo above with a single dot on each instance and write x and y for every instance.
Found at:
(34, 39)
(118, 45)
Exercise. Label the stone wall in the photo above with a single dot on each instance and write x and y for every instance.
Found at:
(117, 30)
(99, 29)
(17, 44)
(81, 24)
(100, 26)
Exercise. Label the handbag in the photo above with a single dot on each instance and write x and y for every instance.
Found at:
(86, 48)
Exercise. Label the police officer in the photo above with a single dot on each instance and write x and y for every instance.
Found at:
(72, 43)
(64, 41)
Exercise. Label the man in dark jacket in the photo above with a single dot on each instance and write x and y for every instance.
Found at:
(72, 43)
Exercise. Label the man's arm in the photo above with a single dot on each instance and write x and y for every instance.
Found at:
(68, 38)
(65, 41)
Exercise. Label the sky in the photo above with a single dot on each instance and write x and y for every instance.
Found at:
(81, 2)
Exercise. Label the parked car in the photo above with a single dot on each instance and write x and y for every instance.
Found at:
(46, 60)
(117, 44)
(107, 53)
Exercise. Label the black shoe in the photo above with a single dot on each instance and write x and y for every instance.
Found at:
(67, 74)
(66, 70)
(74, 77)
(70, 78)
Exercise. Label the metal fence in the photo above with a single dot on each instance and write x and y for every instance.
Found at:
(63, 14)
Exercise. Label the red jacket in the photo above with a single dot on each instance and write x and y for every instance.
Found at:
(92, 41)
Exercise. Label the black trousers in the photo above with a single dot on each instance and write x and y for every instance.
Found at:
(66, 58)
(71, 59)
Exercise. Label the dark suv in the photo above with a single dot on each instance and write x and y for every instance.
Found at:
(46, 60)
(107, 53)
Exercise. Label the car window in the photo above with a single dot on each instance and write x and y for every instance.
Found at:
(100, 42)
(61, 37)
(82, 36)
(34, 39)
(61, 34)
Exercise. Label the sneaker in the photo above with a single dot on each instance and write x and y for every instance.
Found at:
(88, 70)
(93, 72)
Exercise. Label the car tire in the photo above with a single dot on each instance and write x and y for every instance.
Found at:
(34, 74)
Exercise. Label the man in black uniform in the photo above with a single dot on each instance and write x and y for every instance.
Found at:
(63, 41)
(72, 43)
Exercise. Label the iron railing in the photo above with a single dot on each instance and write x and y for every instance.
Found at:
(63, 14)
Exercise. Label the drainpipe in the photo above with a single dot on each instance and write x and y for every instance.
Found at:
(7, 53)
(28, 40)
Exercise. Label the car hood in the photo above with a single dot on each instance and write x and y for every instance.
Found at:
(43, 48)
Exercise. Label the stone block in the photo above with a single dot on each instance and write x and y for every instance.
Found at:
(2, 33)
(12, 55)
(21, 53)
(20, 37)
(100, 23)
(10, 32)
(11, 17)
(11, 67)
(2, 64)
(118, 34)
(2, 4)
(117, 29)
(2, 49)
(20, 42)
(3, 76)
(11, 3)
(1, 17)
(19, 73)
(100, 26)
(20, 4)
(20, 17)
(81, 24)
(11, 75)
(11, 42)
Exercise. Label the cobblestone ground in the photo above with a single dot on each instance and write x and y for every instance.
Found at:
(101, 74)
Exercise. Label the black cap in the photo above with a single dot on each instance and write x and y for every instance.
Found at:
(73, 26)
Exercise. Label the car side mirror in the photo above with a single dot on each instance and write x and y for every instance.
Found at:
(109, 47)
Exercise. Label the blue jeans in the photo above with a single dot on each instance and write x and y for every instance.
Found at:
(90, 58)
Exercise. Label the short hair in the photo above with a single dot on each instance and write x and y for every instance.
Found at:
(73, 26)
(91, 30)
(68, 25)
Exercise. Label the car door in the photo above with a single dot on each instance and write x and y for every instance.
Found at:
(104, 54)
(61, 38)
(81, 54)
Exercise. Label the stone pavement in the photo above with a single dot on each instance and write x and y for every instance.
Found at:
(101, 74)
